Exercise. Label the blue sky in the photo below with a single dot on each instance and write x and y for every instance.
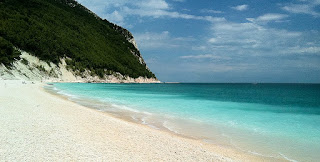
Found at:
(222, 41)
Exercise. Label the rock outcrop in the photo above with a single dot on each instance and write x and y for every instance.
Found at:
(31, 68)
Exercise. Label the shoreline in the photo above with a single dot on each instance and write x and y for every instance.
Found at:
(93, 138)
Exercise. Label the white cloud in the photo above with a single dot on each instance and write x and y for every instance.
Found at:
(198, 48)
(303, 7)
(154, 4)
(313, 50)
(212, 40)
(314, 2)
(152, 40)
(215, 68)
(251, 39)
(254, 40)
(241, 7)
(118, 11)
(170, 14)
(205, 56)
(148, 36)
(271, 17)
(163, 40)
(211, 11)
(116, 17)
(184, 39)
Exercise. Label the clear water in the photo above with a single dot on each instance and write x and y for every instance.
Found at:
(273, 120)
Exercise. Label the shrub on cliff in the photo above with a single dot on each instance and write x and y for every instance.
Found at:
(7, 52)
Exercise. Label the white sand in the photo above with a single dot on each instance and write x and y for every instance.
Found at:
(38, 126)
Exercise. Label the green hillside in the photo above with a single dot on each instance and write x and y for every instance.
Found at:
(53, 29)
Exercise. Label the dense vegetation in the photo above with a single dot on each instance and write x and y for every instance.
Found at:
(53, 29)
(7, 53)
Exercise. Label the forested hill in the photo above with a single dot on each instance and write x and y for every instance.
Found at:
(55, 29)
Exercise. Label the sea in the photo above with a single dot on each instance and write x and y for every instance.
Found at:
(268, 120)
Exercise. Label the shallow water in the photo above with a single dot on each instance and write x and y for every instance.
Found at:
(273, 120)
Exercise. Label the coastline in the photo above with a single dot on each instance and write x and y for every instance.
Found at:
(37, 125)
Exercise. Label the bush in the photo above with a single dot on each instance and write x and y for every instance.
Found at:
(24, 61)
(7, 52)
(41, 68)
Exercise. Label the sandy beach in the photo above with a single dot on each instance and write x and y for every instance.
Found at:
(39, 126)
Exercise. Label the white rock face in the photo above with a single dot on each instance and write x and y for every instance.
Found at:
(134, 43)
(32, 69)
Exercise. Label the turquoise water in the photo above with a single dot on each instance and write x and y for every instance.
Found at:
(272, 120)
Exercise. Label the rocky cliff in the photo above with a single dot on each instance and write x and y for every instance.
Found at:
(32, 69)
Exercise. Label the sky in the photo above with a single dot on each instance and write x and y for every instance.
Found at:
(222, 41)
